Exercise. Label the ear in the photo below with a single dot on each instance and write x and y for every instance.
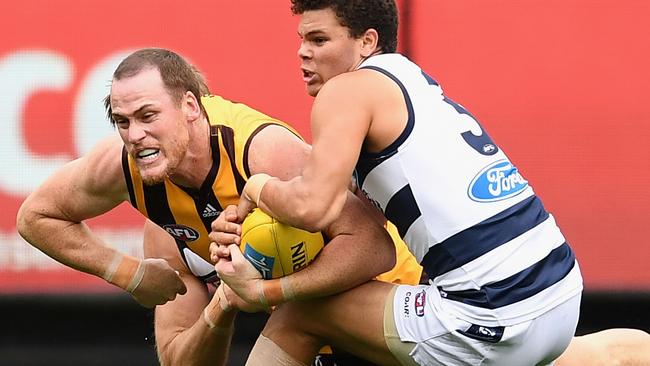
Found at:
(191, 106)
(369, 41)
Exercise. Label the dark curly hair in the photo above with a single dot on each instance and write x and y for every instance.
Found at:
(177, 74)
(359, 16)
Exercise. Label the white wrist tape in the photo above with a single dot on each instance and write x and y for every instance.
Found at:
(213, 327)
(137, 278)
(261, 294)
(254, 186)
(223, 301)
(287, 289)
(124, 271)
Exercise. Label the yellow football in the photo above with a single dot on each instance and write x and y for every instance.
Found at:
(277, 249)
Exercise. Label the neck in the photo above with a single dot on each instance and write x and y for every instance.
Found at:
(197, 162)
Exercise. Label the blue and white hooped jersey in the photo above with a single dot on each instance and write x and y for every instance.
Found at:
(464, 209)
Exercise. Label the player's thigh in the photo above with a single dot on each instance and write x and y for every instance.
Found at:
(620, 346)
(352, 320)
(358, 313)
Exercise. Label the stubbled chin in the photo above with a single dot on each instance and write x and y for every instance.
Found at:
(151, 180)
(152, 175)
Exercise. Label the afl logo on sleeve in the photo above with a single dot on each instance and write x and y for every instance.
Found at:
(182, 232)
(496, 182)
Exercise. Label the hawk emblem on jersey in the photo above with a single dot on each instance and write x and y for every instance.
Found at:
(261, 262)
(496, 182)
(182, 232)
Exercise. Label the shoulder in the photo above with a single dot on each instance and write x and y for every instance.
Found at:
(355, 80)
(245, 122)
(102, 168)
(278, 151)
(107, 152)
(358, 87)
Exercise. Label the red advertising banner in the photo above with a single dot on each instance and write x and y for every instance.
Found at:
(559, 84)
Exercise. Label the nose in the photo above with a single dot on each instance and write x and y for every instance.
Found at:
(135, 132)
(303, 51)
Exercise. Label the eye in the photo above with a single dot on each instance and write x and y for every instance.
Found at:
(147, 116)
(319, 40)
(121, 123)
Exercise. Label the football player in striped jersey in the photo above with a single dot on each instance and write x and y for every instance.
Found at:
(181, 157)
(505, 285)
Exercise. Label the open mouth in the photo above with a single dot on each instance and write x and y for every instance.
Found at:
(308, 76)
(147, 154)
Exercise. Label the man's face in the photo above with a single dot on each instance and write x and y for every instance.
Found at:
(152, 125)
(326, 49)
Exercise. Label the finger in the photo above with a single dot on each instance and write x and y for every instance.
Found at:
(235, 252)
(218, 248)
(237, 258)
(223, 251)
(222, 225)
(244, 207)
(230, 213)
(223, 267)
(214, 257)
(224, 238)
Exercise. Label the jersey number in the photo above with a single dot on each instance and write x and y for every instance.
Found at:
(481, 143)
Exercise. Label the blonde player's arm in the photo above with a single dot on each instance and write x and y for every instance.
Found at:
(52, 220)
(196, 328)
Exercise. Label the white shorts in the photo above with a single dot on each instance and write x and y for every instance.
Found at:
(431, 338)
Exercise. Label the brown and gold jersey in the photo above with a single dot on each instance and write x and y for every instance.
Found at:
(186, 214)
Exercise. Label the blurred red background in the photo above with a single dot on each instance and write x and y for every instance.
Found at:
(560, 85)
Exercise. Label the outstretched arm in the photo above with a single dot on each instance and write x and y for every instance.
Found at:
(51, 219)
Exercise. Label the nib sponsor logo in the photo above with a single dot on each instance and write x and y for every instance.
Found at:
(210, 211)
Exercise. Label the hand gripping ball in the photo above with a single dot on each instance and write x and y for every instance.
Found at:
(277, 249)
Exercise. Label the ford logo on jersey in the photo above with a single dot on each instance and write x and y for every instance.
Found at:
(497, 181)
